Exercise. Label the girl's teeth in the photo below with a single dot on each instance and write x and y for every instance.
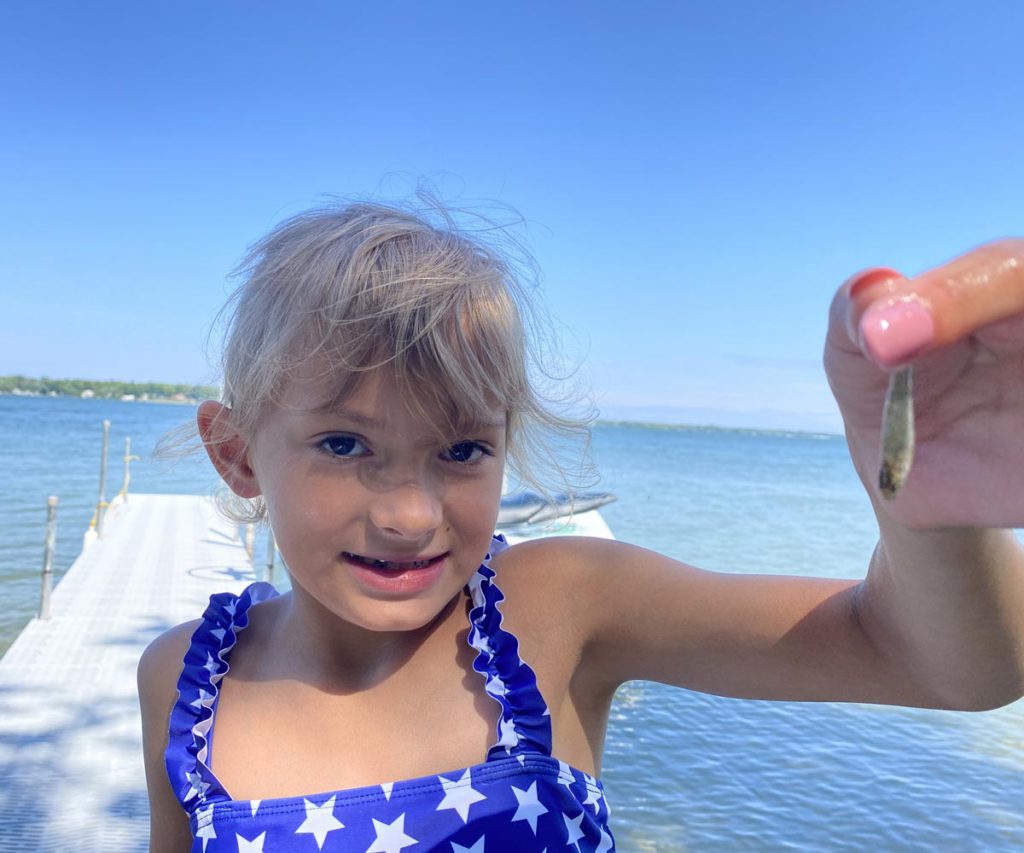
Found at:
(388, 565)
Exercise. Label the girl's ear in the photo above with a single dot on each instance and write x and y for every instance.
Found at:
(228, 450)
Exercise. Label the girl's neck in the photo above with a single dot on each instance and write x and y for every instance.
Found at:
(318, 647)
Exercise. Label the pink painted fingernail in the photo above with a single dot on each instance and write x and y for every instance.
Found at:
(862, 281)
(892, 334)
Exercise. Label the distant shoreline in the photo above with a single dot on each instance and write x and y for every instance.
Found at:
(160, 401)
(695, 427)
(141, 392)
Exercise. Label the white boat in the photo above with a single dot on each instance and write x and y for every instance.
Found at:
(527, 515)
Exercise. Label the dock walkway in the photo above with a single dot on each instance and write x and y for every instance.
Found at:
(71, 773)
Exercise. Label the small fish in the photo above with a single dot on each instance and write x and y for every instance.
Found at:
(897, 433)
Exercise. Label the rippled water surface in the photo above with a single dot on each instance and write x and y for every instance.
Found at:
(683, 771)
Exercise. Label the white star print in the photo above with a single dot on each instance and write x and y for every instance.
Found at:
(211, 665)
(459, 795)
(572, 829)
(593, 795)
(204, 825)
(391, 837)
(230, 608)
(495, 686)
(254, 805)
(565, 776)
(507, 736)
(386, 788)
(476, 591)
(605, 844)
(254, 846)
(319, 821)
(476, 848)
(529, 808)
(478, 640)
(218, 633)
(198, 785)
(204, 697)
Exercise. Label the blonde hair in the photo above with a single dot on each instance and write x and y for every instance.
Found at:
(354, 287)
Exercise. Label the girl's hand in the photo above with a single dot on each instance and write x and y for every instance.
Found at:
(961, 326)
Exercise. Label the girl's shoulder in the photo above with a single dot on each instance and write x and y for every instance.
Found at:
(161, 662)
(552, 563)
(159, 667)
(556, 580)
(163, 659)
(556, 603)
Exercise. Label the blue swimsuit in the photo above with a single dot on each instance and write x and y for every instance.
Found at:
(519, 799)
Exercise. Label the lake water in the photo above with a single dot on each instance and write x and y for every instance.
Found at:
(683, 771)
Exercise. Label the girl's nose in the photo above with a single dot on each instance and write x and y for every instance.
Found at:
(409, 511)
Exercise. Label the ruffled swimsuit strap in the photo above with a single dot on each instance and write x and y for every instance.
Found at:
(205, 665)
(524, 727)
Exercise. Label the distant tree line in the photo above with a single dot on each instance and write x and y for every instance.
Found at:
(107, 390)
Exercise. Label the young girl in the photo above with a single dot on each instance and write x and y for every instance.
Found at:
(424, 686)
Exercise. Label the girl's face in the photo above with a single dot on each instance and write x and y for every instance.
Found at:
(379, 516)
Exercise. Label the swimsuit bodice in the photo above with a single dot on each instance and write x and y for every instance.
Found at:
(519, 799)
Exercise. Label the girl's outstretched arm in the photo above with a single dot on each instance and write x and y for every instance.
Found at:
(939, 619)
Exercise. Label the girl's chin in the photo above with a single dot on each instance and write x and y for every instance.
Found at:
(402, 619)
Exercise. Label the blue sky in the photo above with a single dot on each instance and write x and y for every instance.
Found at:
(696, 178)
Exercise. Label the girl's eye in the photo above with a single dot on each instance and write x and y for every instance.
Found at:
(345, 446)
(466, 452)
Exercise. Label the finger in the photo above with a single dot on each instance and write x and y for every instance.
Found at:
(861, 290)
(911, 317)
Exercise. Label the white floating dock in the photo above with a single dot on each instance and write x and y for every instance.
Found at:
(71, 773)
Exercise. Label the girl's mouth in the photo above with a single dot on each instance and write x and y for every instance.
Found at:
(392, 565)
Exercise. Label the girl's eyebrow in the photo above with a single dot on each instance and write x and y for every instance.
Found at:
(348, 415)
(371, 422)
